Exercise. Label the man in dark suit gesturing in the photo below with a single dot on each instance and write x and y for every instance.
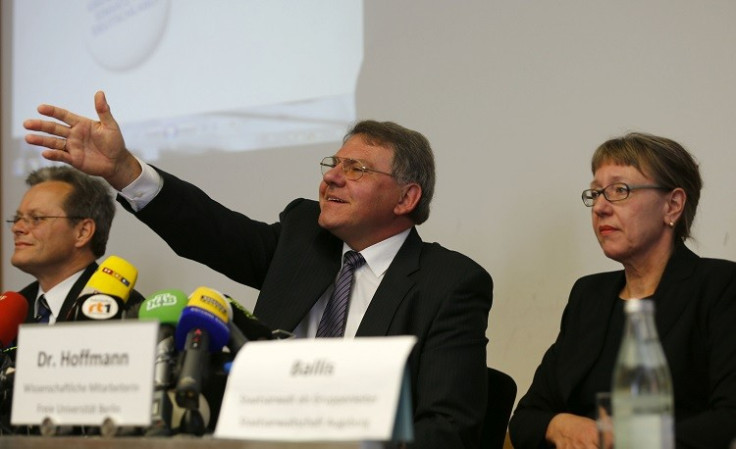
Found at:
(374, 191)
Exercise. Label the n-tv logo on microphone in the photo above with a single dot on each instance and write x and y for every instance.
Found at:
(165, 299)
(100, 307)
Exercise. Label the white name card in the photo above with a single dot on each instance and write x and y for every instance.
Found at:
(85, 373)
(324, 389)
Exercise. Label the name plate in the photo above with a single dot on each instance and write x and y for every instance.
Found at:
(324, 389)
(85, 373)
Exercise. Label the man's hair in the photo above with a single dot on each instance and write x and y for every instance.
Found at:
(413, 158)
(89, 198)
(663, 159)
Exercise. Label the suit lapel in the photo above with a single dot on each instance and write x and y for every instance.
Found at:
(30, 293)
(283, 304)
(582, 349)
(393, 289)
(673, 294)
(71, 297)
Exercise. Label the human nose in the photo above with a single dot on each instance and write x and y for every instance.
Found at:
(601, 205)
(19, 226)
(335, 175)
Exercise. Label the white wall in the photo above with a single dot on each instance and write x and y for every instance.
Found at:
(514, 96)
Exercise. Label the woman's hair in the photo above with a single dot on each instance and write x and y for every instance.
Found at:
(663, 159)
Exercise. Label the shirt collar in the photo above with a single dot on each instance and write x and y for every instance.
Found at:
(379, 256)
(57, 294)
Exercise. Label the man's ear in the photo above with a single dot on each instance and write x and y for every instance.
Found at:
(85, 230)
(410, 195)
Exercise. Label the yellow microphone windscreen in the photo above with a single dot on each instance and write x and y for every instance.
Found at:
(210, 300)
(115, 276)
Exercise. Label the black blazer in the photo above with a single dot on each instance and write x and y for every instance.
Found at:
(695, 312)
(440, 296)
(30, 292)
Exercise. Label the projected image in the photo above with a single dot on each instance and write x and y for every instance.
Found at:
(188, 76)
(120, 35)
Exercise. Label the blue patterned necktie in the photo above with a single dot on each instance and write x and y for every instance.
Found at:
(333, 319)
(44, 311)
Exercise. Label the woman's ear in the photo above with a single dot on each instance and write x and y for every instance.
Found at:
(675, 206)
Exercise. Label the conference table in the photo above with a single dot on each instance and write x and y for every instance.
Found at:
(38, 442)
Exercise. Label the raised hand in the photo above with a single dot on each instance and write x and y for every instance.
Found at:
(94, 147)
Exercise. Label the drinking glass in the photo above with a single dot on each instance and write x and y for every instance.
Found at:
(604, 419)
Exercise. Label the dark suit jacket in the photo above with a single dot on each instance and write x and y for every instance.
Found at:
(440, 296)
(30, 292)
(695, 312)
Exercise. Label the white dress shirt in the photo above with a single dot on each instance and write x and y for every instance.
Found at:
(366, 280)
(56, 295)
(145, 187)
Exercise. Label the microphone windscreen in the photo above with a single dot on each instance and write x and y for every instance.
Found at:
(210, 300)
(115, 276)
(164, 305)
(13, 312)
(207, 309)
(98, 306)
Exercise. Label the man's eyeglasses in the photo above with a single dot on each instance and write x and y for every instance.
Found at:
(33, 221)
(353, 168)
(615, 192)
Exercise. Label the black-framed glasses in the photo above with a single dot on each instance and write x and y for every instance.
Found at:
(615, 192)
(353, 168)
(33, 221)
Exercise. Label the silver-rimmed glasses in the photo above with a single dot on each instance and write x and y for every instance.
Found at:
(614, 192)
(353, 168)
(33, 221)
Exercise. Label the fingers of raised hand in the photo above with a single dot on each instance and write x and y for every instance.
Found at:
(59, 156)
(53, 143)
(60, 114)
(49, 127)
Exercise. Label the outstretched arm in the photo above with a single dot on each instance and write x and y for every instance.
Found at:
(94, 147)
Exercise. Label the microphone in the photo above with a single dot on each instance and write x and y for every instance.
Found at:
(250, 327)
(13, 312)
(106, 292)
(237, 339)
(164, 306)
(207, 309)
(7, 377)
(202, 329)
